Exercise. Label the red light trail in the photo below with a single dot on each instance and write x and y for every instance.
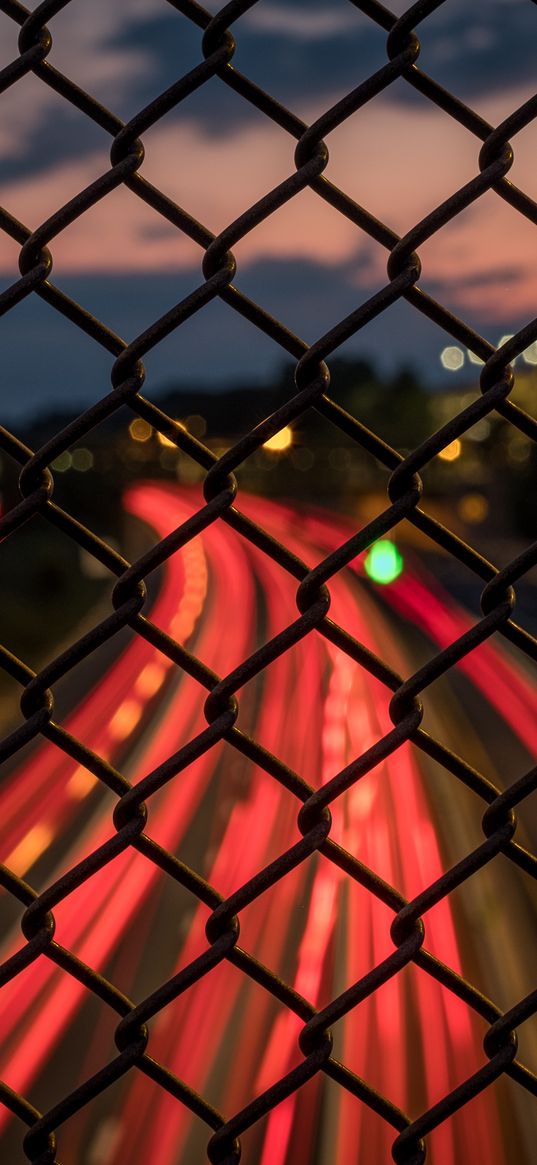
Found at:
(315, 708)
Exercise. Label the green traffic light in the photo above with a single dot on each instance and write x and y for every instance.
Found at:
(383, 563)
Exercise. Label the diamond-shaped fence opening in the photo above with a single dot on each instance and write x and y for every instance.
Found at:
(264, 890)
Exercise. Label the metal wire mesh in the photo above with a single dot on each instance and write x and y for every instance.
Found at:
(312, 596)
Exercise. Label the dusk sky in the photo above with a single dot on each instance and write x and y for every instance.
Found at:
(215, 155)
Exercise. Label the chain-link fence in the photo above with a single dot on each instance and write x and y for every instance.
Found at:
(316, 847)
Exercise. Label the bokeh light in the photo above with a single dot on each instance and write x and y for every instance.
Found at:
(62, 462)
(473, 358)
(196, 425)
(384, 562)
(473, 508)
(82, 459)
(480, 431)
(452, 358)
(519, 448)
(530, 354)
(451, 451)
(280, 441)
(140, 430)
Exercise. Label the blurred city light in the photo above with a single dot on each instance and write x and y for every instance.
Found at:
(29, 849)
(196, 425)
(140, 430)
(530, 354)
(125, 719)
(505, 340)
(473, 358)
(473, 508)
(383, 562)
(80, 784)
(280, 441)
(519, 448)
(62, 462)
(82, 459)
(452, 358)
(480, 431)
(452, 451)
(150, 679)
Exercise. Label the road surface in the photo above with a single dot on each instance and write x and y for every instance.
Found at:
(316, 710)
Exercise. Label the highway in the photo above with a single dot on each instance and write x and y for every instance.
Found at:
(316, 710)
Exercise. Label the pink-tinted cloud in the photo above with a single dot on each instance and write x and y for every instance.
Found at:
(397, 161)
(81, 48)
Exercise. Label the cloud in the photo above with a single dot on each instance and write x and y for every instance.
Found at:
(215, 155)
(87, 47)
(315, 24)
(127, 52)
(396, 162)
